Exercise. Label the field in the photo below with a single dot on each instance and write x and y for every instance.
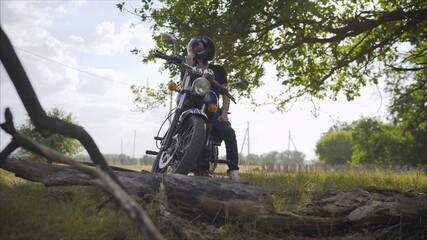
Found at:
(29, 210)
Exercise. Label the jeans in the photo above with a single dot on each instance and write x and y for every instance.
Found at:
(225, 132)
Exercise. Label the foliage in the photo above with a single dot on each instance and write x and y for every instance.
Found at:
(379, 143)
(408, 106)
(335, 147)
(319, 48)
(62, 144)
(371, 141)
(274, 158)
(147, 98)
(147, 160)
(292, 157)
(285, 157)
(250, 159)
(409, 98)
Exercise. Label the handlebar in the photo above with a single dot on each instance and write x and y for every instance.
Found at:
(179, 61)
(173, 59)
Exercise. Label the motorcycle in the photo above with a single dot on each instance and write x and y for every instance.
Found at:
(188, 144)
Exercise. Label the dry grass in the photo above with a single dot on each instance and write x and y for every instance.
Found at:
(31, 211)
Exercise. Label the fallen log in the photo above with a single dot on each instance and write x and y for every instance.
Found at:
(215, 198)
(381, 212)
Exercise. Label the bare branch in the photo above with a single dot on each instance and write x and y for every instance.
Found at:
(401, 69)
(358, 26)
(46, 125)
(133, 209)
(43, 123)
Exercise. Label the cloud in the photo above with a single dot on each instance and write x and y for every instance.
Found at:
(98, 82)
(77, 39)
(105, 29)
(111, 40)
(35, 13)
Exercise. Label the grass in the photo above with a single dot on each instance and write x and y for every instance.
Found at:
(292, 190)
(29, 210)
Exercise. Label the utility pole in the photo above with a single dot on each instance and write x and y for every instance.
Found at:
(244, 140)
(134, 140)
(121, 146)
(289, 142)
(248, 140)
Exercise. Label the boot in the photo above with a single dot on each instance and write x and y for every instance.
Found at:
(234, 175)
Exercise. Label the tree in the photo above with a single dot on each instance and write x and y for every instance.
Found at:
(147, 160)
(271, 159)
(408, 109)
(292, 157)
(335, 147)
(319, 48)
(60, 143)
(371, 141)
(383, 144)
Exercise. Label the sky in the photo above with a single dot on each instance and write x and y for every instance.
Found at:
(77, 56)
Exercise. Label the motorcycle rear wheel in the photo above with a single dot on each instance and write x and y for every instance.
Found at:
(186, 147)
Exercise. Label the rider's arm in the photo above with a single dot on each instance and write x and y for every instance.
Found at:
(222, 77)
(225, 107)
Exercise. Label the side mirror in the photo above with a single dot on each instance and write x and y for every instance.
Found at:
(169, 39)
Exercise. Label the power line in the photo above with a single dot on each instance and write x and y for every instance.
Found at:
(67, 66)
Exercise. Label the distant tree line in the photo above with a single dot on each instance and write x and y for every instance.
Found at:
(270, 160)
(371, 141)
(274, 159)
(368, 141)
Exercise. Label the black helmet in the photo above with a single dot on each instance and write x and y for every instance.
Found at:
(207, 48)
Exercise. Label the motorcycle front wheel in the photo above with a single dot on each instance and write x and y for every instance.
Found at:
(185, 149)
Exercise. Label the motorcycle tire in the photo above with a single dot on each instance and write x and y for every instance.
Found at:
(187, 149)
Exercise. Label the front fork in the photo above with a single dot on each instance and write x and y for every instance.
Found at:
(168, 138)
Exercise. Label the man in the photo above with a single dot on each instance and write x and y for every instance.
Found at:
(200, 51)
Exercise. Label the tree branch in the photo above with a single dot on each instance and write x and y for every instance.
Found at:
(43, 123)
(132, 208)
(358, 26)
(401, 69)
(47, 125)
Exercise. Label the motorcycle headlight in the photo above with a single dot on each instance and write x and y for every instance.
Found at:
(201, 86)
